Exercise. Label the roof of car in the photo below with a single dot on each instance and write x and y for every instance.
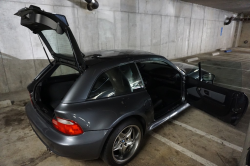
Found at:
(92, 58)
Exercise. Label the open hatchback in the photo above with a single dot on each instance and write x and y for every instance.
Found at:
(81, 103)
(54, 30)
(52, 84)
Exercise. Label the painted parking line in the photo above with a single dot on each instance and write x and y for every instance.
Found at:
(216, 139)
(183, 150)
(220, 67)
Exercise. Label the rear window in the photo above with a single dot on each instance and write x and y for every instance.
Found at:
(58, 42)
(117, 81)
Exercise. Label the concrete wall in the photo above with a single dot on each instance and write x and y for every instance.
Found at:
(170, 28)
(245, 35)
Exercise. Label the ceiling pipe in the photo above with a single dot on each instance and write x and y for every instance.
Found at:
(228, 20)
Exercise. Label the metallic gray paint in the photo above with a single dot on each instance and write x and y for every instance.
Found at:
(98, 117)
(171, 114)
(105, 113)
(63, 145)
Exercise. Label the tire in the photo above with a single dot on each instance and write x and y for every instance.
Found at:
(123, 143)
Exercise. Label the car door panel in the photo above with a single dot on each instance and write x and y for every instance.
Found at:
(213, 95)
(226, 104)
(202, 92)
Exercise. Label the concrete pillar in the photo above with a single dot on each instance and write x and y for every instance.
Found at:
(238, 32)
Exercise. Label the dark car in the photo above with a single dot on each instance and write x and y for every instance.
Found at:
(101, 104)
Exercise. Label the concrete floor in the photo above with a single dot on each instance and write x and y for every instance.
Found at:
(20, 146)
(191, 138)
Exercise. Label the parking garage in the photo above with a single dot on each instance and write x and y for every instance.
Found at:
(214, 34)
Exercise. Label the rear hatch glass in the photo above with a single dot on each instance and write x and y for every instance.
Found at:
(59, 43)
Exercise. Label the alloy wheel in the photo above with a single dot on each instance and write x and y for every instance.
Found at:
(126, 143)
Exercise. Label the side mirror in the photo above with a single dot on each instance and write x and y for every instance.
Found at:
(208, 77)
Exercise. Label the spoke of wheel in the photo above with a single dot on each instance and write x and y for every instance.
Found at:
(117, 147)
(129, 133)
(123, 150)
(121, 136)
(130, 142)
(120, 155)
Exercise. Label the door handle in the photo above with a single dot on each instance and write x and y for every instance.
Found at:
(206, 92)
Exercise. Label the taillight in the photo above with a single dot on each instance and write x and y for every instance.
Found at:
(68, 127)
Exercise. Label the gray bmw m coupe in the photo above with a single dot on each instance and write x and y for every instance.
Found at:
(101, 104)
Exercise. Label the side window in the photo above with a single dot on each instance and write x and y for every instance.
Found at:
(117, 81)
(64, 70)
(157, 73)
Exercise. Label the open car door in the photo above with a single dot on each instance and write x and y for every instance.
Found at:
(225, 104)
(54, 30)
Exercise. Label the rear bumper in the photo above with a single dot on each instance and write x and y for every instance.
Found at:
(85, 146)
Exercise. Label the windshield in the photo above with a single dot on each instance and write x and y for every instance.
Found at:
(58, 42)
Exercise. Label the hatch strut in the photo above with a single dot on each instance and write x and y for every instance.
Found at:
(44, 50)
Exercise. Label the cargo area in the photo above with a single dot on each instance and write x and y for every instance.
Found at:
(52, 87)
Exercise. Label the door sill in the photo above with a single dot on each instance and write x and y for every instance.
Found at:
(168, 116)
